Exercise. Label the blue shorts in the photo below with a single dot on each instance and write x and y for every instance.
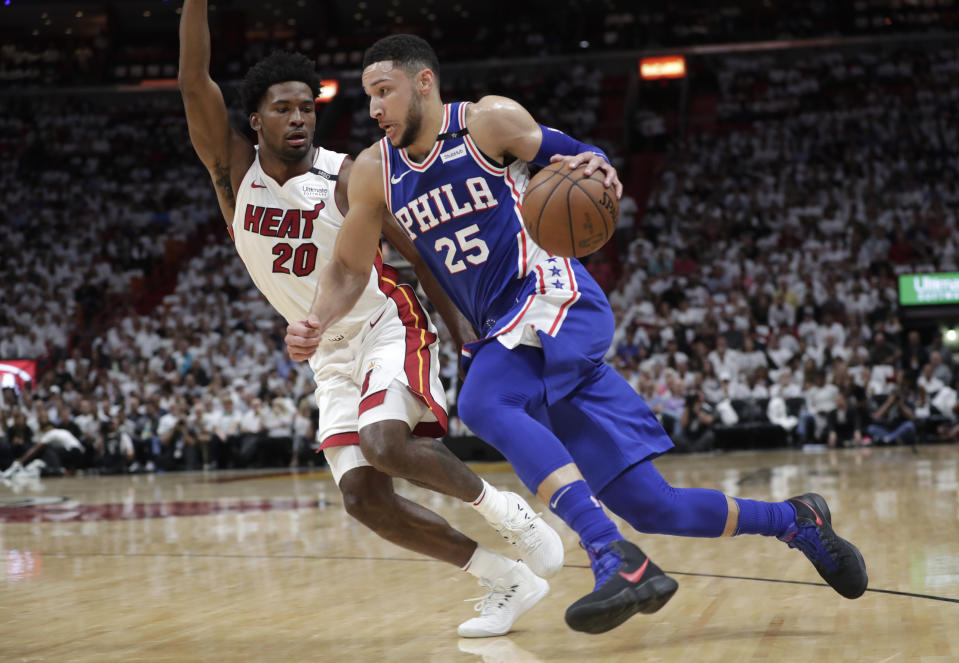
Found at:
(604, 424)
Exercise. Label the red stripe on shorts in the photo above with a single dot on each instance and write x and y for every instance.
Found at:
(416, 364)
(372, 400)
(340, 440)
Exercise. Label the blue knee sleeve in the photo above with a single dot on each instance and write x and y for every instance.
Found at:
(642, 498)
(503, 401)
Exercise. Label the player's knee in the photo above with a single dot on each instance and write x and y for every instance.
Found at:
(384, 445)
(647, 511)
(369, 506)
(477, 411)
(651, 517)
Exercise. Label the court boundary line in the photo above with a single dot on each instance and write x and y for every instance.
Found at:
(931, 597)
(893, 592)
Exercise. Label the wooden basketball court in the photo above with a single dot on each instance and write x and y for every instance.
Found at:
(267, 567)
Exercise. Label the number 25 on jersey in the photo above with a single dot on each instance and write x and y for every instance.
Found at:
(472, 248)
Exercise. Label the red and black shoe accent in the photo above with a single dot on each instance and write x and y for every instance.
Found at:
(627, 582)
(838, 561)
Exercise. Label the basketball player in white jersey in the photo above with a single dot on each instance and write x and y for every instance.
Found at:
(376, 370)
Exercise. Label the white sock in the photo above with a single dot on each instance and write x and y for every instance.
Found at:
(491, 503)
(488, 564)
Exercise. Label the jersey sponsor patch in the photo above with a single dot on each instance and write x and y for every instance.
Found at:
(314, 191)
(455, 153)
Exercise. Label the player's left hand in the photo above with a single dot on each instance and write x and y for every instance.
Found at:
(593, 163)
(303, 338)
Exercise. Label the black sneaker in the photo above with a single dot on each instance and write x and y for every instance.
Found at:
(627, 582)
(839, 562)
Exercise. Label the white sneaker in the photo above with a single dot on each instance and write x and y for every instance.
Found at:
(506, 600)
(34, 468)
(538, 544)
(14, 469)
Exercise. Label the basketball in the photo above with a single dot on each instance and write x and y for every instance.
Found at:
(568, 213)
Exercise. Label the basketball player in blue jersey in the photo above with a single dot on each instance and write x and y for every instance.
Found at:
(537, 387)
(365, 430)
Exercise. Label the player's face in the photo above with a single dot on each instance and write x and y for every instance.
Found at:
(286, 120)
(393, 102)
(414, 121)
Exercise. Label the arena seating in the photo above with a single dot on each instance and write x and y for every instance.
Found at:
(777, 225)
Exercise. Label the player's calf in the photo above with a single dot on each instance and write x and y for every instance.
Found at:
(426, 462)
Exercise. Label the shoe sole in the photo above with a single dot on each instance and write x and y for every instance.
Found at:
(819, 502)
(861, 563)
(646, 597)
(859, 591)
(533, 598)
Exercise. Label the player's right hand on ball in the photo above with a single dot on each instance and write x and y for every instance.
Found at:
(593, 162)
(302, 338)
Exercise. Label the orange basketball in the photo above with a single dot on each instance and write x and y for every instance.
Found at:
(568, 213)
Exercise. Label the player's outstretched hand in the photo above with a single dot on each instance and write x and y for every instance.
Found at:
(302, 338)
(593, 163)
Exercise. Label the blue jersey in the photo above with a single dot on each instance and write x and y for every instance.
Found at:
(462, 212)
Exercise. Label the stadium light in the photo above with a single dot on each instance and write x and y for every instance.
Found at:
(666, 66)
(330, 87)
(951, 335)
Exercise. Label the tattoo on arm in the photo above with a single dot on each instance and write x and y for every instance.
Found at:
(221, 176)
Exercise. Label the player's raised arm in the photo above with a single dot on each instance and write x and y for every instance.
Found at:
(502, 128)
(460, 328)
(225, 153)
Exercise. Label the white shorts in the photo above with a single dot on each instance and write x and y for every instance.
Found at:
(397, 349)
(399, 404)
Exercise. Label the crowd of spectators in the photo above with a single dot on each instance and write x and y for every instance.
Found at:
(757, 289)
(763, 279)
(199, 381)
(94, 191)
(101, 44)
(98, 196)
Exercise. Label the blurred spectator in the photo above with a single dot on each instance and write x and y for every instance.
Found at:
(626, 225)
(882, 351)
(844, 423)
(894, 421)
(940, 370)
(695, 424)
(914, 356)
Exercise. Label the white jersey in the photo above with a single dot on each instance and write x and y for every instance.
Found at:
(285, 236)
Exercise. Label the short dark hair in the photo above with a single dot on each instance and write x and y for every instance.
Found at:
(277, 67)
(408, 51)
